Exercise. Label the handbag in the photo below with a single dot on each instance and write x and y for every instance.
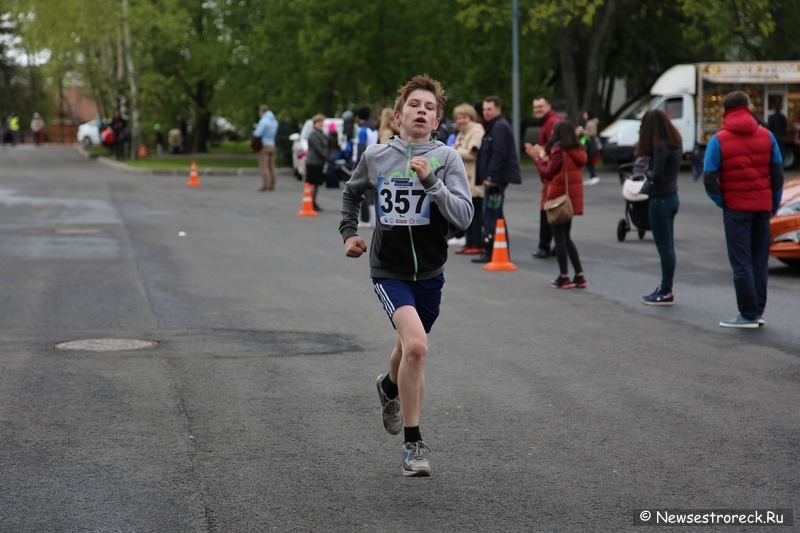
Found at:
(634, 190)
(255, 143)
(559, 210)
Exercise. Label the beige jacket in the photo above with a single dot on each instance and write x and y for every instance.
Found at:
(465, 141)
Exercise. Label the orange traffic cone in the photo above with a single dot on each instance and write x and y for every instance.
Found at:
(307, 207)
(194, 181)
(500, 259)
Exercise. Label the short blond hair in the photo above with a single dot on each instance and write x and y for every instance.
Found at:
(317, 118)
(424, 83)
(465, 109)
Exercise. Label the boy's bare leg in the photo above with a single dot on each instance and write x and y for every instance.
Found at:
(406, 362)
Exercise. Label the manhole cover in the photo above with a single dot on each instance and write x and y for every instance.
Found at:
(78, 231)
(106, 345)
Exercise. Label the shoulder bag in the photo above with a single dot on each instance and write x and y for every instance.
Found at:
(559, 210)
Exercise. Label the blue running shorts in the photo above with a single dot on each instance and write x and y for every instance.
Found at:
(425, 296)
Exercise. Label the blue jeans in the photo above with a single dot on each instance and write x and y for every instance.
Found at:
(662, 211)
(747, 236)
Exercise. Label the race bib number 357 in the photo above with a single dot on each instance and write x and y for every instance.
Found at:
(403, 202)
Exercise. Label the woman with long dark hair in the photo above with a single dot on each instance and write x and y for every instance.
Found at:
(563, 150)
(660, 140)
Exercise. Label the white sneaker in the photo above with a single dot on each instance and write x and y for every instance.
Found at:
(457, 241)
(594, 180)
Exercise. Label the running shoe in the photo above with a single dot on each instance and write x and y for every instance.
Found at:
(391, 414)
(562, 283)
(739, 322)
(580, 282)
(414, 460)
(659, 297)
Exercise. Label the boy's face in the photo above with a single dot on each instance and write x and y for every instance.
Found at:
(418, 118)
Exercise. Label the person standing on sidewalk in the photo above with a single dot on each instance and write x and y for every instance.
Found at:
(316, 158)
(497, 165)
(743, 174)
(468, 143)
(660, 141)
(37, 127)
(266, 128)
(543, 111)
(419, 186)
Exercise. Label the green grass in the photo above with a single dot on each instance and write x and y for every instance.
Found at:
(231, 147)
(179, 162)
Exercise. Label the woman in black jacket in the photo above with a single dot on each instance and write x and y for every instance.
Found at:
(660, 140)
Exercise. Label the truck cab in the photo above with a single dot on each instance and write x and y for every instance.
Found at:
(674, 94)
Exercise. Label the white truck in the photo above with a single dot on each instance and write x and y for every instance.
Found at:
(691, 95)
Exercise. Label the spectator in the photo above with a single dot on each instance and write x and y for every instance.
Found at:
(367, 136)
(468, 143)
(316, 157)
(696, 159)
(159, 140)
(37, 127)
(13, 125)
(660, 141)
(591, 125)
(118, 125)
(388, 127)
(778, 124)
(496, 166)
(266, 128)
(563, 163)
(757, 116)
(743, 174)
(543, 111)
(184, 128)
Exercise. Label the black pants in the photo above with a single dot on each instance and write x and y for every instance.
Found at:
(564, 247)
(545, 231)
(119, 149)
(493, 199)
(475, 229)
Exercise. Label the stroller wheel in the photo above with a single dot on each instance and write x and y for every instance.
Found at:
(642, 233)
(622, 230)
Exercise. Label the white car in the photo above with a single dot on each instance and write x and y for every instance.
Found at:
(300, 142)
(88, 134)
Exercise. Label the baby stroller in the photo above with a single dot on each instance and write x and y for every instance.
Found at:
(637, 205)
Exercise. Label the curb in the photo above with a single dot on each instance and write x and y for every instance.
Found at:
(210, 172)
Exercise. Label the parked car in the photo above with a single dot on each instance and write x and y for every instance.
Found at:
(785, 226)
(88, 134)
(300, 143)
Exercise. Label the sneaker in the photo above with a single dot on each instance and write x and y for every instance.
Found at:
(457, 241)
(414, 460)
(760, 320)
(580, 282)
(739, 322)
(391, 414)
(659, 297)
(562, 283)
(464, 249)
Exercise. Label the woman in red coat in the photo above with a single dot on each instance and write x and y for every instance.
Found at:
(563, 149)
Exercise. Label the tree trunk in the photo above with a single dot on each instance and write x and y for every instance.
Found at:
(597, 55)
(569, 79)
(202, 118)
(136, 129)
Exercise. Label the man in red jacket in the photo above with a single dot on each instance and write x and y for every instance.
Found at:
(543, 111)
(743, 174)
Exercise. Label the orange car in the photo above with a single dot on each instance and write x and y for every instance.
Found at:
(785, 226)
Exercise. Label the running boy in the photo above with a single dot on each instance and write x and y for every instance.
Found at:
(419, 186)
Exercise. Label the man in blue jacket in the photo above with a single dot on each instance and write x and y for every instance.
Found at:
(497, 165)
(266, 128)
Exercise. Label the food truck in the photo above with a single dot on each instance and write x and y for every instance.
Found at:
(691, 95)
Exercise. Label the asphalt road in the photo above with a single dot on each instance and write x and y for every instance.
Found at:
(546, 410)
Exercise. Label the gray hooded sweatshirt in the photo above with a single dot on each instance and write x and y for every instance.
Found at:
(410, 240)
